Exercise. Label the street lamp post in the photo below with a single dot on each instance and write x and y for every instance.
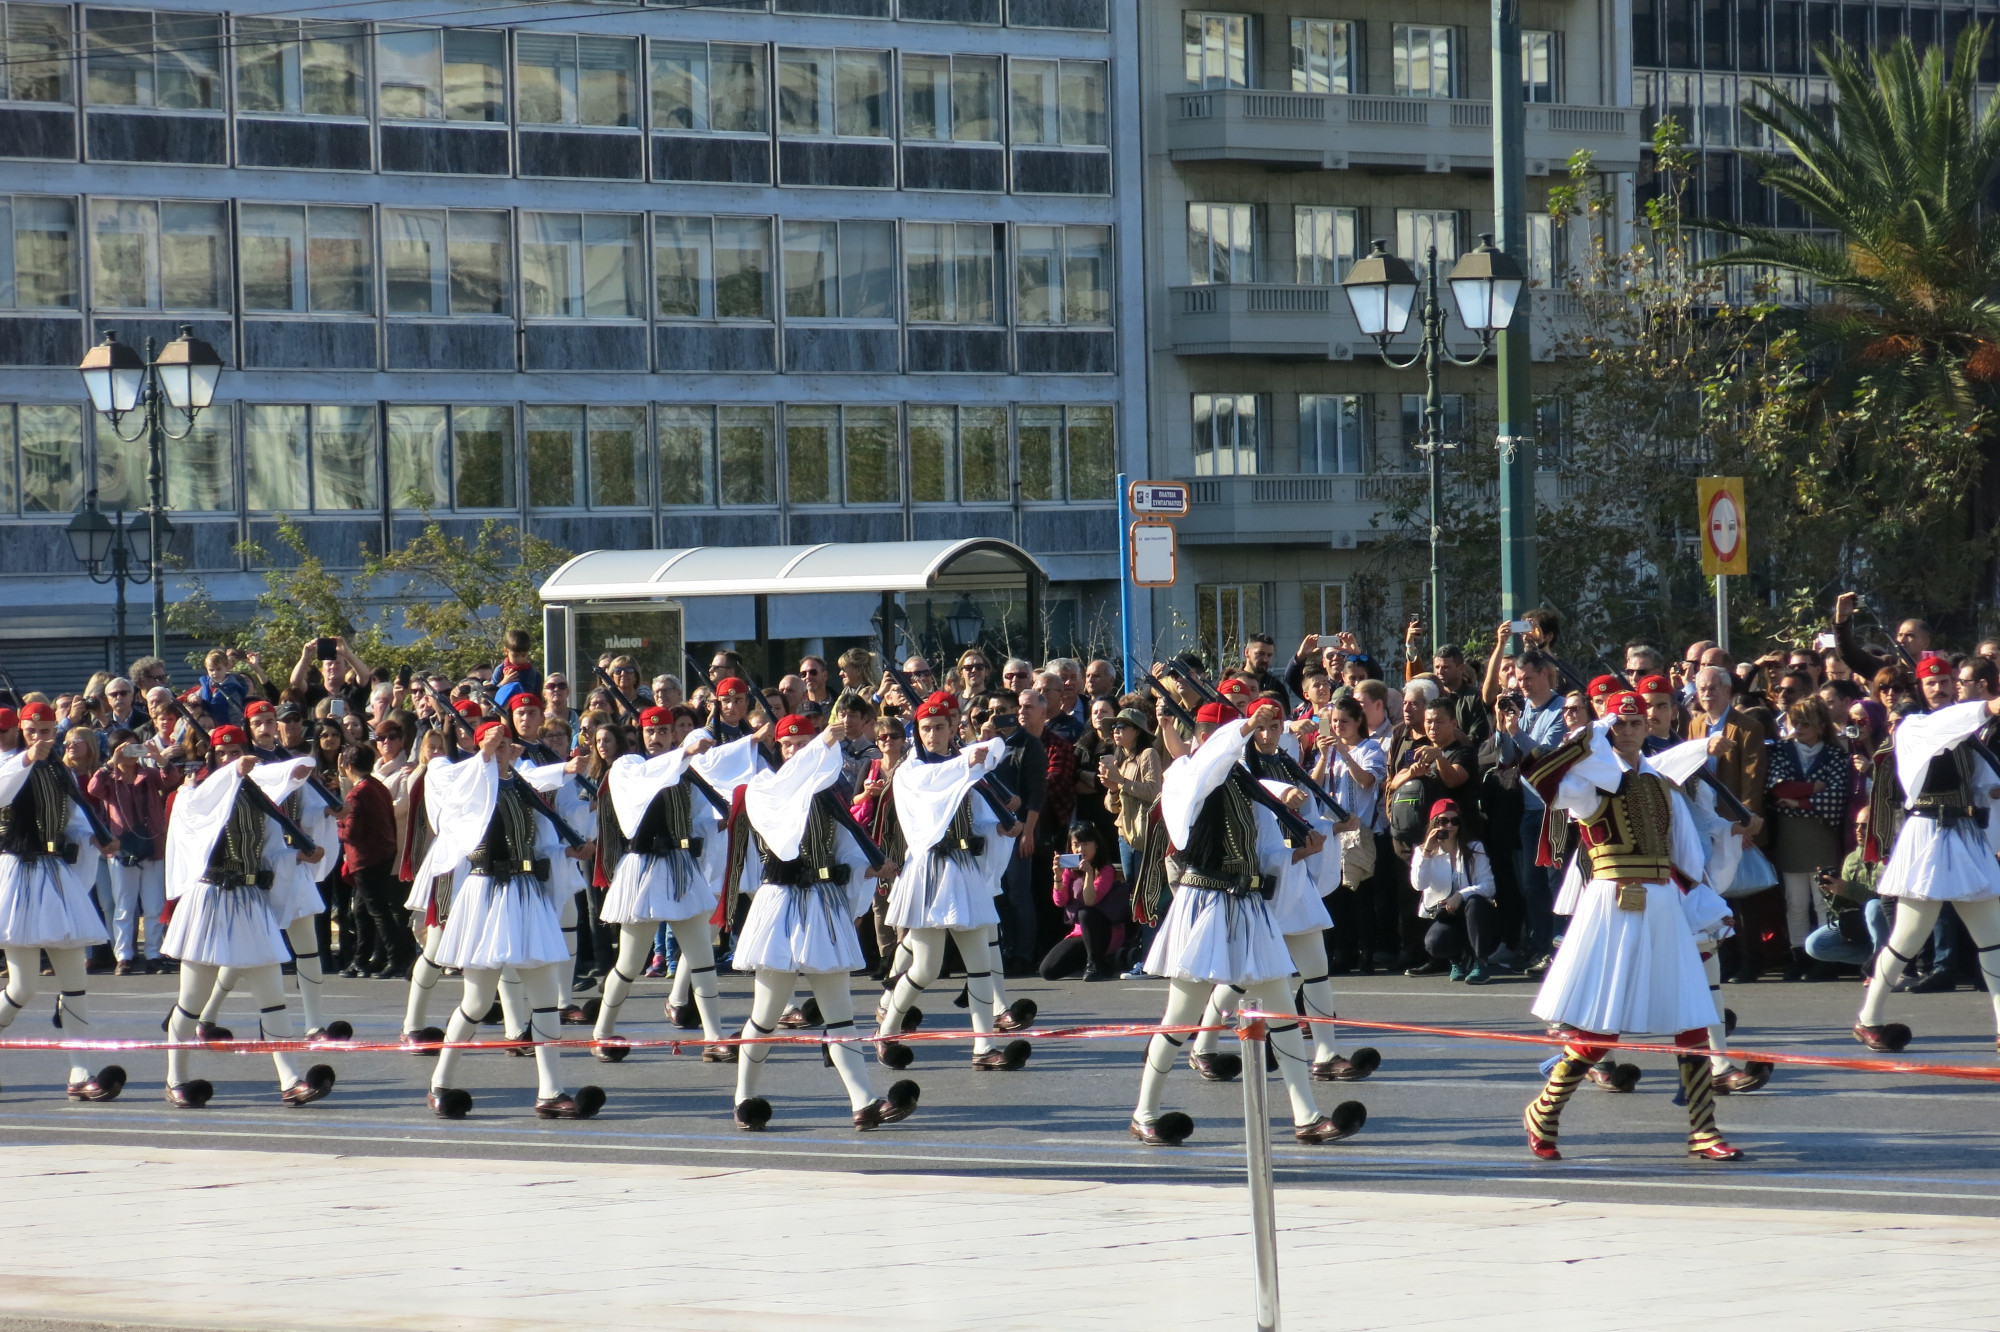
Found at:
(121, 383)
(1381, 290)
(98, 541)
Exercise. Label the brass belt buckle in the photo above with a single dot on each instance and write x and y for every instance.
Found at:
(527, 867)
(826, 873)
(1631, 897)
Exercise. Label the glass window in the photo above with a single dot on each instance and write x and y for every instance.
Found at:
(562, 79)
(35, 46)
(810, 456)
(149, 255)
(951, 98)
(300, 259)
(1323, 243)
(712, 268)
(274, 458)
(1063, 275)
(49, 438)
(38, 267)
(582, 265)
(710, 87)
(432, 74)
(687, 454)
(1220, 243)
(1093, 461)
(440, 261)
(958, 454)
(165, 61)
(555, 457)
(747, 454)
(933, 454)
(1216, 49)
(1041, 439)
(1541, 249)
(1323, 56)
(840, 270)
(983, 474)
(1225, 434)
(200, 468)
(1418, 229)
(872, 464)
(1226, 614)
(826, 92)
(951, 272)
(1420, 60)
(620, 470)
(1540, 66)
(1333, 432)
(343, 458)
(482, 457)
(419, 457)
(300, 67)
(1451, 418)
(1323, 607)
(1059, 102)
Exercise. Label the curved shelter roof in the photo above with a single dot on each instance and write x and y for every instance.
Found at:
(969, 565)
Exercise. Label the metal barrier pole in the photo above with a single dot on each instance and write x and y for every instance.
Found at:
(1252, 1036)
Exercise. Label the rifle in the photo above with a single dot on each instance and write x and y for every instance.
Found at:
(845, 818)
(1209, 692)
(1297, 773)
(1725, 799)
(99, 829)
(1168, 701)
(1295, 828)
(318, 787)
(530, 797)
(1570, 677)
(1624, 681)
(618, 699)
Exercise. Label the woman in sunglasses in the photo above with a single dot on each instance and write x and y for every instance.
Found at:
(1456, 881)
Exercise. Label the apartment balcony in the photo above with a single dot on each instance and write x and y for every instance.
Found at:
(1285, 321)
(1339, 132)
(1338, 512)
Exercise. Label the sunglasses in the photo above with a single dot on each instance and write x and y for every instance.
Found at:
(1445, 821)
(812, 670)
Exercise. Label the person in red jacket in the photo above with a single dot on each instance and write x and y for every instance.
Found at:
(368, 859)
(133, 796)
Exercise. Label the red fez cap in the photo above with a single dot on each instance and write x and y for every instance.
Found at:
(792, 724)
(944, 699)
(656, 717)
(1214, 714)
(932, 707)
(9, 719)
(38, 712)
(480, 731)
(1654, 684)
(1624, 704)
(1446, 805)
(1604, 686)
(524, 699)
(1236, 687)
(1929, 667)
(468, 709)
(227, 735)
(724, 688)
(257, 708)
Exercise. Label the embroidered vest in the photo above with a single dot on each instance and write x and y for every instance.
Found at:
(1631, 836)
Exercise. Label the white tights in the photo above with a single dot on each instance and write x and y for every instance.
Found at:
(1912, 926)
(1309, 958)
(926, 950)
(24, 979)
(304, 940)
(694, 972)
(1185, 1001)
(424, 975)
(540, 987)
(199, 981)
(836, 1004)
(1718, 1031)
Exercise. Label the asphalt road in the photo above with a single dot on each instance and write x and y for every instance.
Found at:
(1444, 1112)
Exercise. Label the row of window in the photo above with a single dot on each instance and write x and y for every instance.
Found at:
(1709, 107)
(1336, 432)
(1425, 60)
(1779, 36)
(167, 254)
(294, 67)
(1237, 242)
(335, 457)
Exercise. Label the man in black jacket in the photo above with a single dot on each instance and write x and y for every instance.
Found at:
(1025, 771)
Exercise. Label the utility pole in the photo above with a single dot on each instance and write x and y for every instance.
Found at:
(1516, 405)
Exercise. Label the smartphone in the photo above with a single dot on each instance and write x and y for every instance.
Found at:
(1826, 642)
(326, 649)
(1069, 862)
(337, 708)
(1519, 626)
(403, 678)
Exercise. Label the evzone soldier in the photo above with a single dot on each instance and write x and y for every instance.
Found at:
(430, 903)
(955, 854)
(566, 873)
(1629, 963)
(738, 753)
(503, 912)
(817, 881)
(1937, 822)
(225, 855)
(668, 864)
(1219, 930)
(48, 867)
(1299, 911)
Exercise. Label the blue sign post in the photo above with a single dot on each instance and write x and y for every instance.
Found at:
(1128, 674)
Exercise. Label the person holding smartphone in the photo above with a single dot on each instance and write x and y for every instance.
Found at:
(1094, 900)
(1454, 881)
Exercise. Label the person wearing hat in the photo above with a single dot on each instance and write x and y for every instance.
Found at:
(291, 720)
(10, 731)
(1935, 821)
(1739, 754)
(260, 720)
(133, 796)
(1219, 930)
(816, 882)
(1600, 689)
(48, 867)
(503, 912)
(666, 870)
(1454, 881)
(1131, 777)
(224, 853)
(1629, 962)
(568, 874)
(956, 850)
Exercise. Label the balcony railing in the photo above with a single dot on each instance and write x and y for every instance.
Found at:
(1336, 131)
(1341, 509)
(1296, 322)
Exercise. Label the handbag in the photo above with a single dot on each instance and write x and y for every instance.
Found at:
(1357, 857)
